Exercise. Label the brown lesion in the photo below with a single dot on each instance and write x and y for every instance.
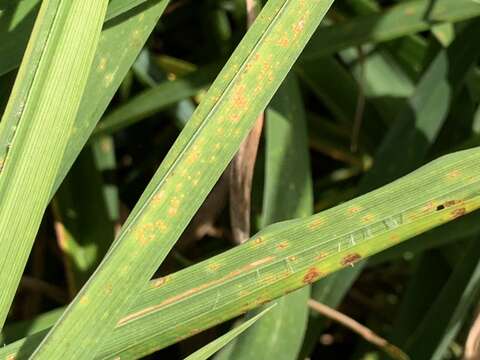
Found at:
(315, 224)
(458, 212)
(160, 282)
(281, 246)
(312, 275)
(448, 204)
(351, 259)
(453, 174)
(368, 218)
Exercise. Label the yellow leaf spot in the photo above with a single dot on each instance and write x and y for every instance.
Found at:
(161, 226)
(84, 300)
(315, 224)
(108, 79)
(368, 218)
(454, 174)
(175, 202)
(158, 197)
(257, 242)
(239, 99)
(354, 209)
(160, 281)
(108, 289)
(283, 42)
(213, 267)
(102, 64)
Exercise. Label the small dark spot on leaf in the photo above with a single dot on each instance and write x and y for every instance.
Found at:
(458, 212)
(440, 207)
(311, 275)
(351, 259)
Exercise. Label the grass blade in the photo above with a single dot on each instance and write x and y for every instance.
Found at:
(44, 103)
(83, 235)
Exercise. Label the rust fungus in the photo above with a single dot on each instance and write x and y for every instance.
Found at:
(161, 226)
(316, 223)
(158, 197)
(351, 259)
(311, 275)
(145, 234)
(257, 242)
(429, 207)
(84, 300)
(448, 204)
(214, 267)
(298, 27)
(108, 289)
(292, 258)
(321, 255)
(354, 209)
(235, 118)
(239, 99)
(394, 237)
(194, 332)
(283, 245)
(262, 300)
(283, 42)
(458, 212)
(453, 174)
(368, 218)
(160, 282)
(174, 205)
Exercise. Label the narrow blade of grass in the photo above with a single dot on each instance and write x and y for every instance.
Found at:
(43, 106)
(83, 235)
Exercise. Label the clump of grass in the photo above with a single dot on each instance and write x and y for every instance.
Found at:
(120, 122)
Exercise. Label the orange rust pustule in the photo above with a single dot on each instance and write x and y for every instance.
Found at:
(311, 275)
(450, 203)
(351, 259)
(458, 212)
(282, 245)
